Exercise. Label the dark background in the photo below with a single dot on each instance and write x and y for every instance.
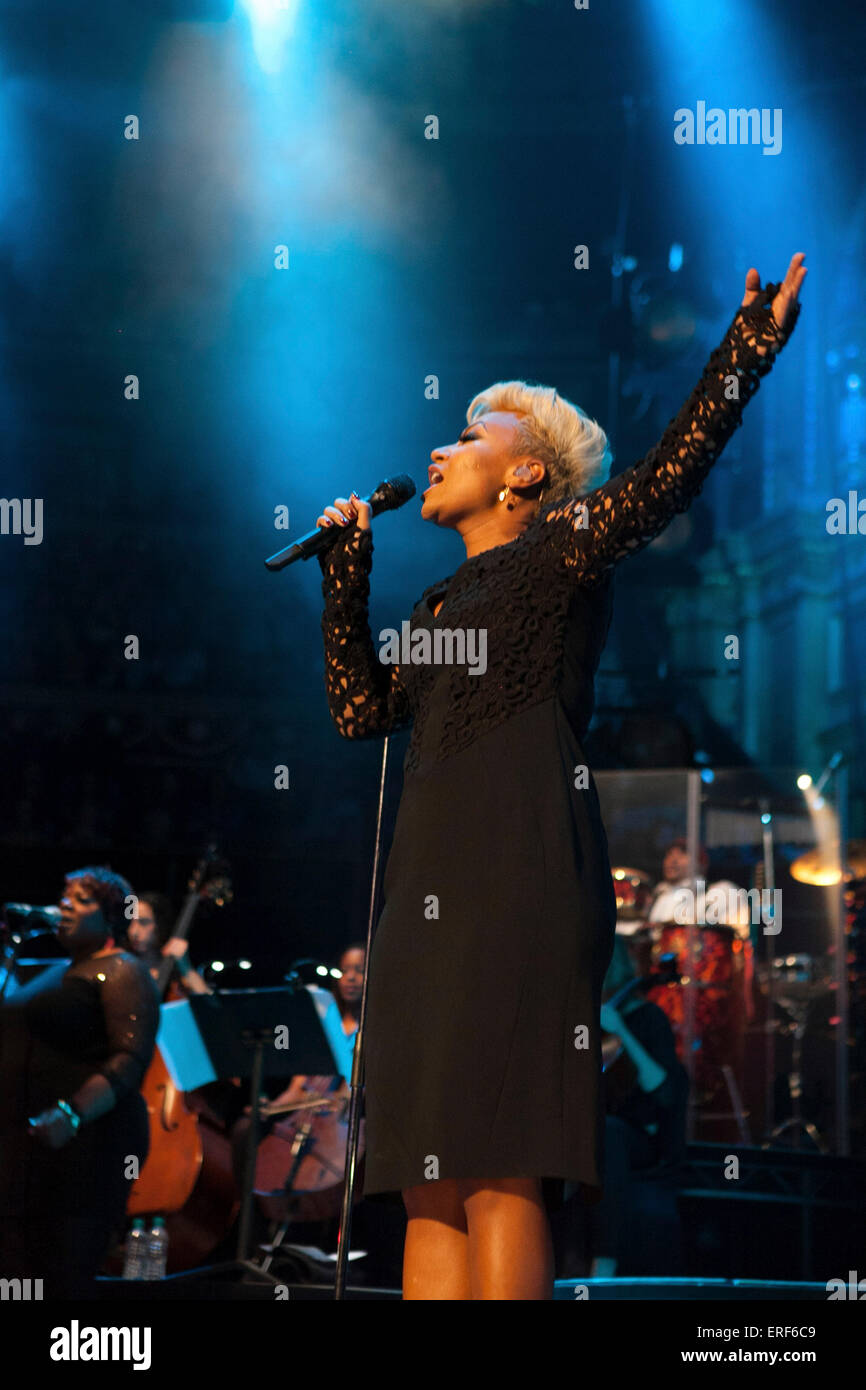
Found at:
(261, 388)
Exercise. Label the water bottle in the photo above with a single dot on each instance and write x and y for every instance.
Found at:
(157, 1250)
(135, 1253)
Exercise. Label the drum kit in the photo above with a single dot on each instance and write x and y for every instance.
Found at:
(718, 963)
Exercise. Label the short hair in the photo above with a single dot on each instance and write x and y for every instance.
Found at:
(573, 447)
(110, 890)
(682, 843)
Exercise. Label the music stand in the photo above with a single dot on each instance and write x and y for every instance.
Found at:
(246, 1032)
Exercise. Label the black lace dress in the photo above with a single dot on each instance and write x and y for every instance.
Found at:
(483, 1055)
(60, 1207)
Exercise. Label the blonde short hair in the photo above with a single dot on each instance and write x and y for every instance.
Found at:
(572, 447)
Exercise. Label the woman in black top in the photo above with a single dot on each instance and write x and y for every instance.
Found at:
(74, 1047)
(483, 1054)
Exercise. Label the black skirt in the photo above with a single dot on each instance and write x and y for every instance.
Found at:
(482, 1057)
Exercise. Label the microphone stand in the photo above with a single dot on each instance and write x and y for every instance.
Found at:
(390, 494)
(357, 1082)
(10, 960)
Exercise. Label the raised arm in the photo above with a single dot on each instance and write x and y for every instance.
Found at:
(365, 697)
(594, 532)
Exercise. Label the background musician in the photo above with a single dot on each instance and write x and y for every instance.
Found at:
(722, 970)
(149, 937)
(74, 1047)
(347, 993)
(379, 1224)
(674, 897)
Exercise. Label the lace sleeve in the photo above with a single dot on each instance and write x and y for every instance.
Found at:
(131, 1008)
(365, 697)
(592, 533)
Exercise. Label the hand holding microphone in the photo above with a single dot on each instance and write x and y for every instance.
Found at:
(346, 511)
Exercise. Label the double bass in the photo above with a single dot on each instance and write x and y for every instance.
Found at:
(186, 1148)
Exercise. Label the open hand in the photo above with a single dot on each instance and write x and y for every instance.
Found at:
(783, 304)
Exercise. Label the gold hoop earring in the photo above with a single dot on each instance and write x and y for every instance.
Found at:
(502, 496)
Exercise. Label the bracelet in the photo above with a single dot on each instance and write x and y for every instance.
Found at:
(71, 1115)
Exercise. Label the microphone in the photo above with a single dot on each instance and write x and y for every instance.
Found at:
(49, 916)
(390, 494)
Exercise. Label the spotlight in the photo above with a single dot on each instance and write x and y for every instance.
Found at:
(804, 781)
(305, 971)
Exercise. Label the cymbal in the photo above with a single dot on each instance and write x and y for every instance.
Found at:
(633, 892)
(821, 866)
(636, 875)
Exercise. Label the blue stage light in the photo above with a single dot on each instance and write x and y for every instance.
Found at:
(272, 24)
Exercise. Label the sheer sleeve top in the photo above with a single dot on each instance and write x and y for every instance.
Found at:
(97, 1016)
(543, 599)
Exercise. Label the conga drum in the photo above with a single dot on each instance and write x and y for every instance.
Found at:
(719, 971)
(633, 892)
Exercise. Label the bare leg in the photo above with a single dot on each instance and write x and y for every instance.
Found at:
(436, 1253)
(510, 1247)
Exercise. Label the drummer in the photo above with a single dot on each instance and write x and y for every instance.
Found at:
(675, 897)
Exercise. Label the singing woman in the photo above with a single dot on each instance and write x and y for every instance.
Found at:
(74, 1047)
(483, 1053)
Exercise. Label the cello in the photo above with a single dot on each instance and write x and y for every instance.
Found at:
(174, 1162)
(301, 1163)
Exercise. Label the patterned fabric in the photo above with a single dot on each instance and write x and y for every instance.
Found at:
(535, 581)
